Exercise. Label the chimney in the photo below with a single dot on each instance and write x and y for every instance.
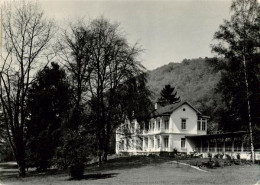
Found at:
(156, 106)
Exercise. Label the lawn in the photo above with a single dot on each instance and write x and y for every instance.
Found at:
(138, 170)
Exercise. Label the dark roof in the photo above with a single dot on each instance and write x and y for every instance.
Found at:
(168, 109)
(227, 134)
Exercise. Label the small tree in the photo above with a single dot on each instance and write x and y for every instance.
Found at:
(168, 96)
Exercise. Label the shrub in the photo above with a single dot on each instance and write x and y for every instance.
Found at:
(76, 169)
(237, 162)
(228, 157)
(219, 163)
(196, 163)
(152, 156)
(211, 164)
(219, 156)
(238, 156)
(210, 156)
(73, 154)
(227, 163)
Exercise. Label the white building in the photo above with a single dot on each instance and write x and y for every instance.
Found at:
(168, 128)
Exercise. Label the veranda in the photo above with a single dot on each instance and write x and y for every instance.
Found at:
(232, 143)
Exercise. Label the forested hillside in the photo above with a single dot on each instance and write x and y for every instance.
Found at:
(195, 81)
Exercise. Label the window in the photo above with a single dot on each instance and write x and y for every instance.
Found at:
(166, 124)
(158, 142)
(127, 144)
(183, 124)
(166, 142)
(183, 142)
(123, 145)
(159, 125)
(203, 124)
(199, 124)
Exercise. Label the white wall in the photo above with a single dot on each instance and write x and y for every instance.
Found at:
(176, 142)
(191, 120)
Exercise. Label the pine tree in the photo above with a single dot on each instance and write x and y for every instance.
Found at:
(168, 96)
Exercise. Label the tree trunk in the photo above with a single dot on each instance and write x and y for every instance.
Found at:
(106, 142)
(99, 159)
(105, 151)
(20, 155)
(249, 113)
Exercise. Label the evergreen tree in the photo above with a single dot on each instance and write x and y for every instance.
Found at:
(168, 96)
(49, 101)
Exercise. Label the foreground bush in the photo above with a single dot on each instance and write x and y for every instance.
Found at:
(76, 169)
(73, 153)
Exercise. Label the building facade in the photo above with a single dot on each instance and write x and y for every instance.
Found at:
(168, 128)
(181, 127)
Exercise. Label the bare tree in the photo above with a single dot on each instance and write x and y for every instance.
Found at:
(73, 51)
(26, 38)
(114, 61)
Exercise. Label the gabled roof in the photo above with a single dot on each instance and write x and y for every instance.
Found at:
(168, 109)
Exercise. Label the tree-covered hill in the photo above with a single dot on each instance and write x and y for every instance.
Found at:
(195, 81)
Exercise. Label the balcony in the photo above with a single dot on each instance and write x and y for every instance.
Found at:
(157, 131)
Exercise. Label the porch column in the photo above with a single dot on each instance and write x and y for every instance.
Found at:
(208, 145)
(149, 143)
(162, 124)
(144, 147)
(154, 142)
(161, 143)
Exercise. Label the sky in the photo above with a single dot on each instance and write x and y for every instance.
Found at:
(168, 31)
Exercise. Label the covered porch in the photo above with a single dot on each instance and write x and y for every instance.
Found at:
(231, 143)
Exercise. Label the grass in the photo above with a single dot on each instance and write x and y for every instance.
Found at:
(137, 170)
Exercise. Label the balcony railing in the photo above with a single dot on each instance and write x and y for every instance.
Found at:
(155, 130)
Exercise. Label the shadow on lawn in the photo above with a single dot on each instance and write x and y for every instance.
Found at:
(96, 176)
(9, 170)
